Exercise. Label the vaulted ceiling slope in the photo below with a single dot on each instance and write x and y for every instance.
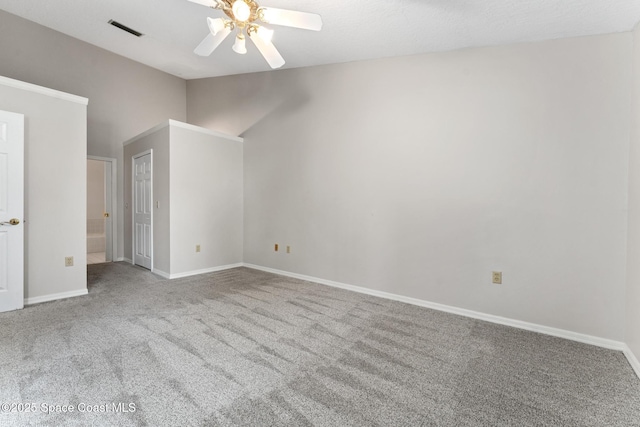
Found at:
(353, 29)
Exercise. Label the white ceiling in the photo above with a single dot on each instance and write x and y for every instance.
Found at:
(353, 29)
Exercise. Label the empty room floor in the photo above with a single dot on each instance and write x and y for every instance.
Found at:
(244, 347)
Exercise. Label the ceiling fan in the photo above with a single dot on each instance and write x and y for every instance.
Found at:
(243, 17)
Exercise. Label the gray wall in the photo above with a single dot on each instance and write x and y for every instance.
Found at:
(206, 201)
(125, 97)
(420, 175)
(55, 191)
(633, 255)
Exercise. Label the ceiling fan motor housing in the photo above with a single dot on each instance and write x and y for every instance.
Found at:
(253, 10)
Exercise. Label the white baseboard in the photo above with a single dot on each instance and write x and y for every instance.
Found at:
(53, 297)
(124, 259)
(561, 333)
(161, 273)
(195, 272)
(633, 360)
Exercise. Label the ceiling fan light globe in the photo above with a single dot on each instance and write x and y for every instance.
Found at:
(241, 10)
(215, 25)
(239, 46)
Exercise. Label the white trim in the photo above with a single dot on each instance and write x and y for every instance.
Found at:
(196, 272)
(6, 81)
(633, 361)
(123, 259)
(146, 133)
(205, 131)
(114, 202)
(104, 159)
(53, 297)
(561, 333)
(161, 273)
(176, 123)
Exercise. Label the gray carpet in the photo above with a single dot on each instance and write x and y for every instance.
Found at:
(243, 347)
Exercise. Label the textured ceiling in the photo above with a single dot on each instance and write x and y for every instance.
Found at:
(353, 29)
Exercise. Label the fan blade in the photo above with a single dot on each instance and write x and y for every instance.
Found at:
(208, 3)
(291, 18)
(268, 50)
(211, 42)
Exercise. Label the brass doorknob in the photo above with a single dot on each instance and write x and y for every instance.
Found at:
(12, 221)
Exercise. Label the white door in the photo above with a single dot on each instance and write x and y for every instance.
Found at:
(11, 211)
(142, 239)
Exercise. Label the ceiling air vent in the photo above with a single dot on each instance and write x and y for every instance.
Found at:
(125, 28)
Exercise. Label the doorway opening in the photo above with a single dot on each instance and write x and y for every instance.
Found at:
(101, 239)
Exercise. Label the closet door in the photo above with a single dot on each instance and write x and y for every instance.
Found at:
(142, 211)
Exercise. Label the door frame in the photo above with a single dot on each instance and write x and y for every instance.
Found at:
(113, 184)
(133, 204)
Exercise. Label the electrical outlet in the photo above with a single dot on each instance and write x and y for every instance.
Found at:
(68, 261)
(197, 248)
(275, 248)
(496, 277)
(288, 249)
